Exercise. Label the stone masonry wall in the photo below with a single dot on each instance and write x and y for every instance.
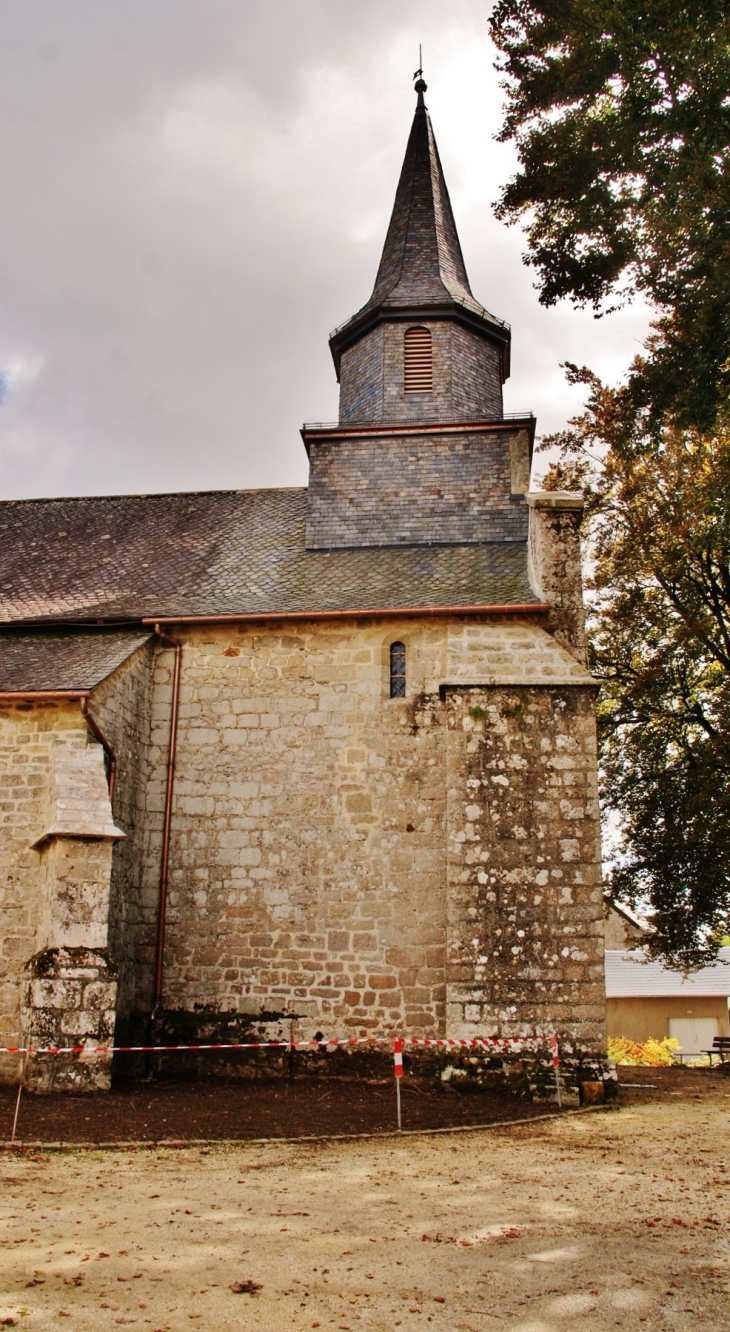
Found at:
(28, 738)
(467, 382)
(318, 866)
(121, 705)
(58, 982)
(413, 488)
(308, 852)
(555, 563)
(309, 841)
(525, 923)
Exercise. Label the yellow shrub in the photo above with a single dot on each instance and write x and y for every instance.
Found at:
(651, 1054)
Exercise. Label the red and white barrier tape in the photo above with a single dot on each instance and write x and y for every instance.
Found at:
(513, 1043)
(162, 1049)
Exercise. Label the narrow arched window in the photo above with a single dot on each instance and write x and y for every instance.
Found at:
(397, 670)
(417, 361)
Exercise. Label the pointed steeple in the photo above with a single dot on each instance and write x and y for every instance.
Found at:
(422, 261)
(422, 272)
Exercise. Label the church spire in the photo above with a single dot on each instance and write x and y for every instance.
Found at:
(422, 272)
(422, 261)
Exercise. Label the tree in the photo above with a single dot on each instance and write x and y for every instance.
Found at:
(620, 111)
(658, 509)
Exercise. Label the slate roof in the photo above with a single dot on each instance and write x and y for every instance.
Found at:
(630, 975)
(125, 557)
(39, 662)
(422, 263)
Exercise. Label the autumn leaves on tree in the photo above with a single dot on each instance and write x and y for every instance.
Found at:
(620, 112)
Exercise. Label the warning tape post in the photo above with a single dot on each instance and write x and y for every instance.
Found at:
(398, 1062)
(515, 1044)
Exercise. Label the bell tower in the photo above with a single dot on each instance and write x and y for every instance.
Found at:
(422, 453)
(422, 348)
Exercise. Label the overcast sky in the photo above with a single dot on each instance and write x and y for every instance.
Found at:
(195, 192)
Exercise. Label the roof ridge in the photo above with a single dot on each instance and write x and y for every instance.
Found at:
(153, 494)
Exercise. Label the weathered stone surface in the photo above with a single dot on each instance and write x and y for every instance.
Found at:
(54, 889)
(77, 804)
(69, 999)
(314, 871)
(294, 878)
(509, 652)
(525, 928)
(555, 564)
(122, 706)
(29, 737)
(309, 845)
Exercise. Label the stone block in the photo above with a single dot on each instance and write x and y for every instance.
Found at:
(69, 997)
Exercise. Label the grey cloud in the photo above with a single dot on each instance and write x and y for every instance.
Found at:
(194, 192)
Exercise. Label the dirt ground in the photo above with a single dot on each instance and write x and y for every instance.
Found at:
(615, 1219)
(144, 1112)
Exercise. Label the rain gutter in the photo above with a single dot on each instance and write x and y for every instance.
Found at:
(391, 612)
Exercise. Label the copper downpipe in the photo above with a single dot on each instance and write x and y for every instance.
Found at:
(165, 863)
(106, 745)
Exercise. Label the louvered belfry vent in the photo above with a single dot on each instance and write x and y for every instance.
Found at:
(418, 361)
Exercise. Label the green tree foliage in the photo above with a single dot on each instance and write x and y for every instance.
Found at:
(659, 619)
(620, 110)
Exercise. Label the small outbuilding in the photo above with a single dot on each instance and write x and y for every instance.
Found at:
(646, 999)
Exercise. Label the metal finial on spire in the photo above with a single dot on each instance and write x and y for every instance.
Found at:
(420, 86)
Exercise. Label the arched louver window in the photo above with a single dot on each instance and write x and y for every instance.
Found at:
(417, 361)
(397, 670)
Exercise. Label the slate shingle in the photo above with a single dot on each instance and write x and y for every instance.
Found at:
(422, 262)
(63, 661)
(125, 557)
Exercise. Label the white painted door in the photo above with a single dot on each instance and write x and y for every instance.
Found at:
(693, 1034)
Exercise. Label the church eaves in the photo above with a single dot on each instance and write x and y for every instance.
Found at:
(422, 271)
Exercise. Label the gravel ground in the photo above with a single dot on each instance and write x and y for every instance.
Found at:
(599, 1220)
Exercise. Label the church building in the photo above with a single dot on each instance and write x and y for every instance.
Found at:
(320, 756)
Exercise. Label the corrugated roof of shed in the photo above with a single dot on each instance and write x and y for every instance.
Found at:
(630, 975)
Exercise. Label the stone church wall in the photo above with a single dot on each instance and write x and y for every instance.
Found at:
(360, 862)
(370, 863)
(525, 897)
(308, 854)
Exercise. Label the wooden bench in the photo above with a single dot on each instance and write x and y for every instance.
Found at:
(720, 1047)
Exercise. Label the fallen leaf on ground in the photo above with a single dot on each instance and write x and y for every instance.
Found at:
(245, 1287)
